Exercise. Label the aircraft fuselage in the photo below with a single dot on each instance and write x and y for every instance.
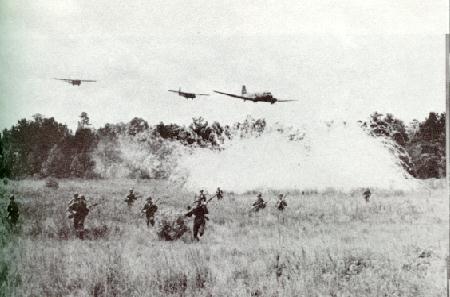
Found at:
(261, 97)
(188, 95)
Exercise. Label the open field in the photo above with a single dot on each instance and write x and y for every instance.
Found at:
(328, 244)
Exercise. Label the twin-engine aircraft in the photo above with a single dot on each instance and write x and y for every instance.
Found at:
(187, 95)
(255, 97)
(75, 82)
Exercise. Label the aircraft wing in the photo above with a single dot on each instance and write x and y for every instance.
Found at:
(234, 96)
(64, 79)
(174, 91)
(87, 80)
(278, 100)
(202, 94)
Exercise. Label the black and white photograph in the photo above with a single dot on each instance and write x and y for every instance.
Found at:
(224, 148)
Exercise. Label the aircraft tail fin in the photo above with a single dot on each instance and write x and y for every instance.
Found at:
(244, 90)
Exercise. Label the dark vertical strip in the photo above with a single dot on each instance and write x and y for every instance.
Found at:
(447, 132)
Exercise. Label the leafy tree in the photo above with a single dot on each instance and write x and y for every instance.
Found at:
(26, 145)
(427, 147)
(137, 125)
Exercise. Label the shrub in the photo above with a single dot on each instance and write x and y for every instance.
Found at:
(51, 183)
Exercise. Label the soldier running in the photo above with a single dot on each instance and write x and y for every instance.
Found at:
(131, 197)
(200, 212)
(13, 211)
(202, 196)
(281, 203)
(367, 195)
(219, 193)
(74, 199)
(259, 203)
(78, 211)
(149, 209)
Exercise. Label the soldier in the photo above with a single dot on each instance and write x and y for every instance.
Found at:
(149, 210)
(281, 203)
(259, 203)
(131, 197)
(219, 193)
(13, 211)
(202, 196)
(74, 199)
(79, 211)
(200, 212)
(367, 195)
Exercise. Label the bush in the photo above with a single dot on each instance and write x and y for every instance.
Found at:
(51, 183)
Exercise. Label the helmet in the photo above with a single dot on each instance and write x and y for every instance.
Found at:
(259, 195)
(82, 197)
(131, 189)
(280, 196)
(149, 198)
(11, 197)
(201, 191)
(75, 195)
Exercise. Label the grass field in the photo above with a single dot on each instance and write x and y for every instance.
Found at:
(327, 244)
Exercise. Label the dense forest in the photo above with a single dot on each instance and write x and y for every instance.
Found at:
(42, 147)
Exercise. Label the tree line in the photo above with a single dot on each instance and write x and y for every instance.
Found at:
(42, 147)
(421, 143)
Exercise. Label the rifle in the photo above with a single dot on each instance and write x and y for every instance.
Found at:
(257, 206)
(73, 212)
(154, 204)
(93, 205)
(211, 198)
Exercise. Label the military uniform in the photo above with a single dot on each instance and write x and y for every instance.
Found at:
(13, 211)
(131, 197)
(79, 211)
(281, 204)
(219, 194)
(202, 196)
(200, 212)
(149, 210)
(74, 199)
(259, 203)
(367, 195)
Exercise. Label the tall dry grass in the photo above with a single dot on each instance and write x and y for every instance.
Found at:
(328, 244)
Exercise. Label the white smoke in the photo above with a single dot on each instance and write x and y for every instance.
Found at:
(141, 156)
(319, 156)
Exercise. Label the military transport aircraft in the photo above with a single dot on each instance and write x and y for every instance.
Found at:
(255, 97)
(75, 82)
(187, 95)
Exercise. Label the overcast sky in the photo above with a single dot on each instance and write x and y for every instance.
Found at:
(340, 59)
